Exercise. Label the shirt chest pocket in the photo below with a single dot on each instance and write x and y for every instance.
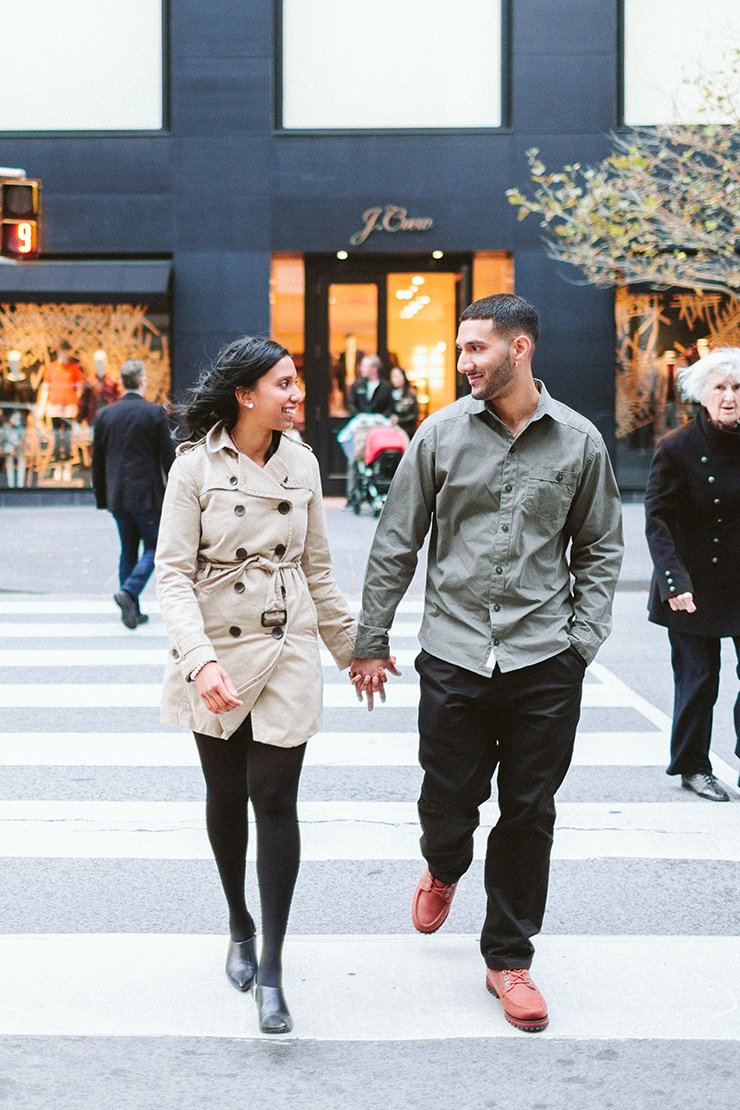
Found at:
(549, 493)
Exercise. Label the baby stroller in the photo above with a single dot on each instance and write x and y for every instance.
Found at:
(384, 447)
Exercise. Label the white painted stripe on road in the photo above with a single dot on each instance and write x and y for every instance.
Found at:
(337, 695)
(371, 988)
(330, 749)
(362, 830)
(87, 630)
(32, 607)
(98, 749)
(84, 657)
(133, 657)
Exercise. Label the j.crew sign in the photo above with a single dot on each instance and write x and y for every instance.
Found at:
(391, 218)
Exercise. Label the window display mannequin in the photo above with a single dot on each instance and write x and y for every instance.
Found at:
(13, 443)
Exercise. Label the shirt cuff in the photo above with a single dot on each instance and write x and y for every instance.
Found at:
(371, 643)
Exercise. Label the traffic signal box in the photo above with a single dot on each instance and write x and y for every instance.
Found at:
(20, 212)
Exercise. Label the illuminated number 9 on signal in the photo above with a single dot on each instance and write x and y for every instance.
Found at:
(25, 238)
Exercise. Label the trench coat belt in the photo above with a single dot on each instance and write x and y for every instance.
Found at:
(276, 592)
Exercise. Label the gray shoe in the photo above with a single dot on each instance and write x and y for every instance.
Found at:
(706, 786)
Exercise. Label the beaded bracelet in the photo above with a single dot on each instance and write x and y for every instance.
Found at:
(198, 669)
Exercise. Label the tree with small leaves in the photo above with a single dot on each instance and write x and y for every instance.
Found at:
(663, 208)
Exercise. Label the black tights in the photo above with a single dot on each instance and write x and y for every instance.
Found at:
(236, 771)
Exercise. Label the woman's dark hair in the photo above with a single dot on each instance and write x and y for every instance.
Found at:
(212, 400)
(406, 382)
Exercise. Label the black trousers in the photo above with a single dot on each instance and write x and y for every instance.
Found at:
(696, 663)
(523, 723)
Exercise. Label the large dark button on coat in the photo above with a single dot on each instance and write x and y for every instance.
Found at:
(280, 550)
(239, 587)
(504, 527)
(241, 553)
(233, 479)
(499, 570)
(235, 630)
(277, 633)
(284, 507)
(239, 510)
(497, 608)
(507, 489)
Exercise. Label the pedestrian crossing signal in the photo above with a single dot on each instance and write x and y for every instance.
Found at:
(20, 212)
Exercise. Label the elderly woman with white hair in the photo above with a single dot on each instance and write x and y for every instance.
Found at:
(692, 507)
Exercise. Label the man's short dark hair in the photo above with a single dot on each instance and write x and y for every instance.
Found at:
(132, 373)
(509, 315)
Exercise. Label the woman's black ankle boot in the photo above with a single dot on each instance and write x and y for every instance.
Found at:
(274, 1015)
(241, 963)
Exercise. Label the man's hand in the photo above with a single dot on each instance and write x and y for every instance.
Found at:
(216, 689)
(682, 601)
(369, 676)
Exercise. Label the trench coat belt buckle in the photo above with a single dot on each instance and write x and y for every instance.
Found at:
(274, 618)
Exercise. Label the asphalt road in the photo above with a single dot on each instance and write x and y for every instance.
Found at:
(113, 935)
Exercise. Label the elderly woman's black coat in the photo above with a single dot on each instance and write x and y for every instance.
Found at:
(692, 507)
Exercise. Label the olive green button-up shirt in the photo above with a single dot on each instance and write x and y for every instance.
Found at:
(525, 545)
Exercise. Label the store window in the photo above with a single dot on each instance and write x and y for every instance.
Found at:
(287, 307)
(667, 49)
(82, 65)
(357, 64)
(59, 367)
(657, 334)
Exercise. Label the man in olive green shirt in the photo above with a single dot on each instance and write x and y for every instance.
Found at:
(524, 555)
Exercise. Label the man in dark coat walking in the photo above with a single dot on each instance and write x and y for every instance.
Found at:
(133, 451)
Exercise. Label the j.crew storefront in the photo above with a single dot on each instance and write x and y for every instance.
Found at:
(333, 173)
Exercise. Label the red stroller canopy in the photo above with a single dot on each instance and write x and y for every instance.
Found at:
(384, 439)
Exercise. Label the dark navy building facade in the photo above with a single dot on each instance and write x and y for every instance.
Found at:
(221, 192)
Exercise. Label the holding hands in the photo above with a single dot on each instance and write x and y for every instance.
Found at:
(369, 676)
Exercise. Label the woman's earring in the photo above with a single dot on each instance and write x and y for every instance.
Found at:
(250, 404)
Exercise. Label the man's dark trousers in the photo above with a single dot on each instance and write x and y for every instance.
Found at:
(136, 526)
(523, 722)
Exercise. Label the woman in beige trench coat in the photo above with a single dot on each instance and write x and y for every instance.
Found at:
(245, 587)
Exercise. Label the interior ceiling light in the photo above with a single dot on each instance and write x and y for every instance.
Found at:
(417, 280)
(342, 255)
(438, 254)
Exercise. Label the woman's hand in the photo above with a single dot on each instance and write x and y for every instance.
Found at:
(369, 676)
(216, 689)
(683, 602)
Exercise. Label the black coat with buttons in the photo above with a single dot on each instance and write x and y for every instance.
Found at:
(692, 506)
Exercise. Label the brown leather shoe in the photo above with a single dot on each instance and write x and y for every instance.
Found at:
(524, 1006)
(431, 903)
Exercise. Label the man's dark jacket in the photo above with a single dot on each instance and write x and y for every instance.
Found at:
(692, 506)
(381, 401)
(133, 450)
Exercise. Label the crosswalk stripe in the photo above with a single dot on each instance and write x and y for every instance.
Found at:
(21, 630)
(369, 988)
(355, 830)
(331, 749)
(131, 657)
(337, 695)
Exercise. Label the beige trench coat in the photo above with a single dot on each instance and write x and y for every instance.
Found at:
(242, 548)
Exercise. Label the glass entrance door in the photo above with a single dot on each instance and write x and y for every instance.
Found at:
(403, 308)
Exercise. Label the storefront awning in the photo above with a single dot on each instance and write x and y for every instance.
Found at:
(143, 281)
